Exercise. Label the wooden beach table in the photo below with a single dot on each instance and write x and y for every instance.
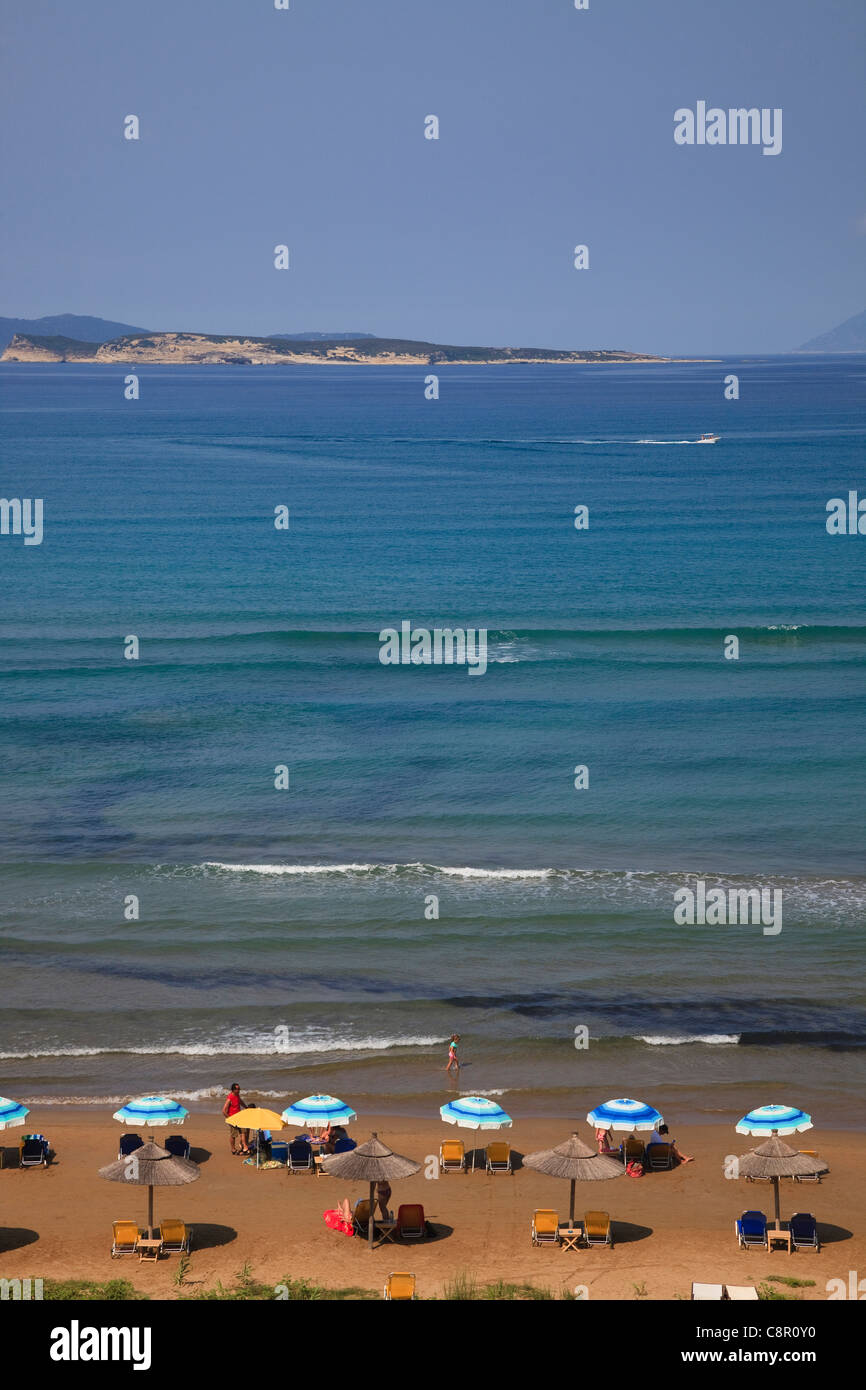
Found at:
(775, 1234)
(570, 1236)
(387, 1231)
(148, 1249)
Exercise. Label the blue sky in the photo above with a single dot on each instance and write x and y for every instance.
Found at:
(306, 127)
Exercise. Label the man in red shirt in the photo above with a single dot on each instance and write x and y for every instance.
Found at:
(235, 1103)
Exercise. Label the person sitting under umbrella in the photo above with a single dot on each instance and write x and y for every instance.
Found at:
(662, 1136)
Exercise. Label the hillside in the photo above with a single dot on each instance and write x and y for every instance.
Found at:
(849, 336)
(219, 349)
(75, 327)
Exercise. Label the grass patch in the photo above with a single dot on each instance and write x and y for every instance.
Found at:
(246, 1289)
(84, 1290)
(466, 1288)
(500, 1291)
(768, 1293)
(463, 1286)
(791, 1283)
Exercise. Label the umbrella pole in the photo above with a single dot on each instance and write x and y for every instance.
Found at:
(150, 1212)
(371, 1224)
(571, 1209)
(778, 1211)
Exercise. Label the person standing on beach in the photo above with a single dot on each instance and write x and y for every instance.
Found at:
(383, 1197)
(235, 1103)
(453, 1059)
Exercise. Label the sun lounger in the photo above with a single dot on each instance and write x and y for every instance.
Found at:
(361, 1216)
(300, 1157)
(742, 1293)
(808, 1177)
(177, 1145)
(33, 1151)
(804, 1231)
(704, 1293)
(411, 1223)
(176, 1237)
(400, 1286)
(345, 1145)
(452, 1156)
(751, 1229)
(633, 1150)
(499, 1157)
(124, 1238)
(128, 1144)
(659, 1157)
(545, 1227)
(596, 1228)
(279, 1151)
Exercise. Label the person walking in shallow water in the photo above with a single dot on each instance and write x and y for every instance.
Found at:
(453, 1059)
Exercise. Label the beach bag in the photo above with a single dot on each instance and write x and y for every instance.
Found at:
(338, 1223)
(634, 1169)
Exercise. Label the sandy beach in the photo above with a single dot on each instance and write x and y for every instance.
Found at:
(670, 1228)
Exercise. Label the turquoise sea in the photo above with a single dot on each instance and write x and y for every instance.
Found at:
(287, 938)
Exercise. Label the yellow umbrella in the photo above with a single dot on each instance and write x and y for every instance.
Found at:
(254, 1117)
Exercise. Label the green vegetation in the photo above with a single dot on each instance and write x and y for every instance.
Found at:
(73, 1290)
(247, 1289)
(465, 1288)
(767, 1292)
(791, 1283)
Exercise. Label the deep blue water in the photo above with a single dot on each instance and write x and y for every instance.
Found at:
(260, 647)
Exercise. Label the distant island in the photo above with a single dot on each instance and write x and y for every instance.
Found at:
(849, 336)
(217, 349)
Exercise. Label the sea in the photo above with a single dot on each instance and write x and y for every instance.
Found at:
(243, 848)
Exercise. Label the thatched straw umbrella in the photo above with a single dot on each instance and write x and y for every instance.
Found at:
(371, 1162)
(577, 1161)
(150, 1167)
(775, 1160)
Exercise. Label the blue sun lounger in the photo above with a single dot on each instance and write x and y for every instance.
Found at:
(751, 1230)
(128, 1144)
(804, 1231)
(177, 1145)
(34, 1151)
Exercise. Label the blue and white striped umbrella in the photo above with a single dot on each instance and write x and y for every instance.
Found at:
(774, 1119)
(625, 1114)
(12, 1113)
(475, 1112)
(151, 1111)
(318, 1111)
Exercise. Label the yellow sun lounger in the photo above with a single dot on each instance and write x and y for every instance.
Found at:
(176, 1239)
(499, 1157)
(452, 1156)
(596, 1228)
(124, 1238)
(545, 1227)
(400, 1287)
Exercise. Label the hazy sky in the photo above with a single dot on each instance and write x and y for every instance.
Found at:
(306, 127)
